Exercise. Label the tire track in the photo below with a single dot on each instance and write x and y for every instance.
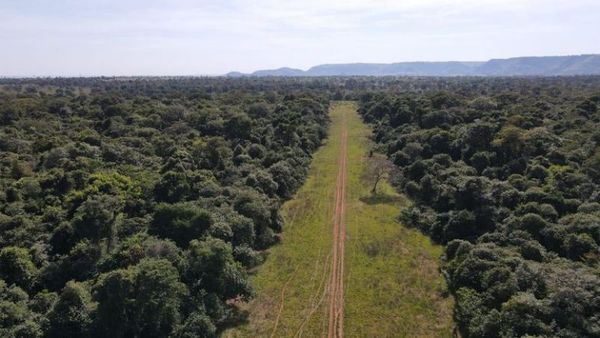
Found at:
(336, 283)
(317, 297)
(282, 301)
(331, 285)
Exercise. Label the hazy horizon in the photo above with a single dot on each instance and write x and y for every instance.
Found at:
(184, 37)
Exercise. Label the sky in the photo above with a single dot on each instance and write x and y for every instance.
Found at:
(212, 37)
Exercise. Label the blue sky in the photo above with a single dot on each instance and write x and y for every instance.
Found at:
(185, 37)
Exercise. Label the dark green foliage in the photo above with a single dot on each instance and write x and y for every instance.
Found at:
(180, 222)
(17, 318)
(95, 219)
(71, 314)
(154, 195)
(142, 301)
(172, 187)
(158, 194)
(197, 325)
(515, 198)
(211, 264)
(16, 267)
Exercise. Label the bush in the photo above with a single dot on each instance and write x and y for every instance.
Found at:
(180, 222)
(16, 267)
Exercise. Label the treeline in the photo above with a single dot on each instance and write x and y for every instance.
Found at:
(506, 174)
(135, 207)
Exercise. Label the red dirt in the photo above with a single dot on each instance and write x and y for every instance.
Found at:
(336, 283)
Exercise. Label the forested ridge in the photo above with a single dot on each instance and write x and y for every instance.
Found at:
(506, 174)
(135, 207)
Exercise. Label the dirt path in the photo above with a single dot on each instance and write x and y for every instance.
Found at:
(336, 282)
(381, 280)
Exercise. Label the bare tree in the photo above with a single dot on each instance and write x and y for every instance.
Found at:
(379, 168)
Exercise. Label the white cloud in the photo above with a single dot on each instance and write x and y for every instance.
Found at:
(191, 37)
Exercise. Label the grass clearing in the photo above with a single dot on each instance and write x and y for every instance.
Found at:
(392, 283)
(393, 286)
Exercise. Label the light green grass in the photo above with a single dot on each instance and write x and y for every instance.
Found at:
(392, 285)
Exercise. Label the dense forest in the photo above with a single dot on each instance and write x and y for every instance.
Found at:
(506, 174)
(136, 207)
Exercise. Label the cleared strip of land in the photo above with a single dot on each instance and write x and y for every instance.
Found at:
(384, 280)
(336, 281)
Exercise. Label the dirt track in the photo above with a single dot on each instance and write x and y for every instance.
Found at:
(298, 292)
(336, 282)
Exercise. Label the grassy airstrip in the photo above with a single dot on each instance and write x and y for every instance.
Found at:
(392, 284)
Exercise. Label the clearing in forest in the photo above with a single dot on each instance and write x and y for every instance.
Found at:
(345, 266)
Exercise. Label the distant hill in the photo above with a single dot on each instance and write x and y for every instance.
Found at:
(279, 72)
(271, 72)
(520, 66)
(402, 68)
(546, 65)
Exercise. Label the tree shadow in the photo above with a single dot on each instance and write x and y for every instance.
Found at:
(238, 317)
(381, 198)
